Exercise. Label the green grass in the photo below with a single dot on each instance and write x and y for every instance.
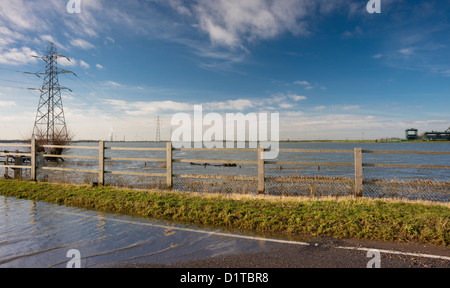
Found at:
(346, 218)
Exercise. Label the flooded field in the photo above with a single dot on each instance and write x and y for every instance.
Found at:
(303, 180)
(39, 235)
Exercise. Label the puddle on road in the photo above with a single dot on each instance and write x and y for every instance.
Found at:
(39, 235)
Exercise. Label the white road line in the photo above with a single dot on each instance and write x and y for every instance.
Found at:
(213, 233)
(259, 238)
(396, 252)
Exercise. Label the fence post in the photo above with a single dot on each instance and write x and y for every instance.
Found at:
(101, 163)
(261, 184)
(17, 162)
(33, 159)
(169, 165)
(358, 173)
(6, 164)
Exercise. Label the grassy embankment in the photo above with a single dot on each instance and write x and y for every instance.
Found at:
(345, 218)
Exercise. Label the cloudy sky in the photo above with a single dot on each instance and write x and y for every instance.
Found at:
(331, 69)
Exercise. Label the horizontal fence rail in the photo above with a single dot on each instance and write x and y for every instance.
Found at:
(407, 188)
(17, 167)
(261, 177)
(141, 149)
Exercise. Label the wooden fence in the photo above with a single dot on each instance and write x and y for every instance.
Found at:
(260, 177)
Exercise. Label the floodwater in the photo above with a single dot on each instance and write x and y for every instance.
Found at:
(251, 170)
(39, 235)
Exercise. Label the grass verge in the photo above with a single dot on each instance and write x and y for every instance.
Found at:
(345, 218)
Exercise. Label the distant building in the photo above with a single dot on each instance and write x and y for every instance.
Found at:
(412, 134)
(433, 135)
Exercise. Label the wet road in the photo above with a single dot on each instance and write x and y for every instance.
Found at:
(37, 234)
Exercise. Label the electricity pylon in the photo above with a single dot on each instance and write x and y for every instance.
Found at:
(50, 124)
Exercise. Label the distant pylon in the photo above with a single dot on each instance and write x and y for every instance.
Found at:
(158, 129)
(50, 123)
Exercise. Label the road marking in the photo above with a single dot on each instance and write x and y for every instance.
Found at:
(396, 252)
(213, 233)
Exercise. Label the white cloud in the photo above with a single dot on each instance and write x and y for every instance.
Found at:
(292, 114)
(179, 6)
(231, 105)
(303, 83)
(67, 62)
(114, 84)
(319, 108)
(234, 22)
(297, 97)
(407, 51)
(219, 34)
(100, 67)
(277, 98)
(7, 104)
(89, 22)
(84, 64)
(286, 105)
(351, 107)
(71, 62)
(149, 108)
(49, 38)
(110, 39)
(8, 37)
(239, 105)
(21, 14)
(83, 44)
(15, 56)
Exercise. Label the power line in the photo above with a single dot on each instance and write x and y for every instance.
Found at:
(92, 88)
(14, 81)
(8, 86)
(93, 103)
(7, 69)
(78, 80)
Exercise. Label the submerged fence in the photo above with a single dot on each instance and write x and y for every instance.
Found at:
(169, 168)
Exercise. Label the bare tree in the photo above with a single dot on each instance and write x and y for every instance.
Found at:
(60, 138)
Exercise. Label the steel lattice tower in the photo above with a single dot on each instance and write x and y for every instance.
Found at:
(50, 123)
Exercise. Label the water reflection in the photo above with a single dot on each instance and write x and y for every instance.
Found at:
(37, 234)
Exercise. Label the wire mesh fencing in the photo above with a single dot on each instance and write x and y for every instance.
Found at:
(411, 175)
(308, 180)
(206, 171)
(386, 182)
(310, 173)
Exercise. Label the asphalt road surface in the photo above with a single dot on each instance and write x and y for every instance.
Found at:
(326, 253)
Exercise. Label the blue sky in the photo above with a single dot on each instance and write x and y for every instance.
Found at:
(331, 69)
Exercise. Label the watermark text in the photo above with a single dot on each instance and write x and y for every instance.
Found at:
(75, 262)
(375, 262)
(234, 130)
(74, 6)
(374, 6)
